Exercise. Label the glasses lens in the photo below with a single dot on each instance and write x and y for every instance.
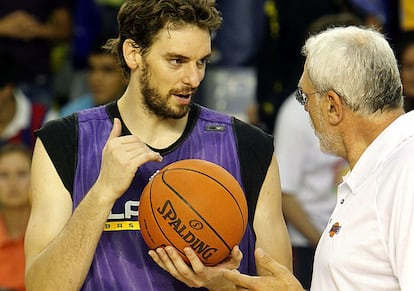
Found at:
(300, 97)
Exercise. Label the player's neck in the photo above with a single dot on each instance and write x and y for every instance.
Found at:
(154, 131)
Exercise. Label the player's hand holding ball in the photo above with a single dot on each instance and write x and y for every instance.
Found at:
(196, 274)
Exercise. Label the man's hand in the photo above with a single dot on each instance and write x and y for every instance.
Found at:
(197, 274)
(281, 278)
(121, 158)
(20, 25)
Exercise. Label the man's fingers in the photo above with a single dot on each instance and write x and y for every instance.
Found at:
(116, 129)
(267, 263)
(284, 278)
(239, 279)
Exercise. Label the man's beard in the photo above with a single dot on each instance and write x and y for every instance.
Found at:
(328, 142)
(157, 104)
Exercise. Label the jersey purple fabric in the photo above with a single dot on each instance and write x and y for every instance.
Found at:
(121, 261)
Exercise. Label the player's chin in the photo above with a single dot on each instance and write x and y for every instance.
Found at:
(179, 111)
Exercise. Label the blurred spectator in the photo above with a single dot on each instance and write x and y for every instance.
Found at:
(308, 176)
(19, 117)
(279, 60)
(15, 160)
(29, 29)
(235, 44)
(375, 12)
(384, 15)
(92, 20)
(106, 81)
(405, 56)
(258, 41)
(230, 80)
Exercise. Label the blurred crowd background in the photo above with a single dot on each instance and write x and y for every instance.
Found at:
(52, 64)
(255, 66)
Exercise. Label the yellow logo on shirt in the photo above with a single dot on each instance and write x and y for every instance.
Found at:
(121, 225)
(127, 220)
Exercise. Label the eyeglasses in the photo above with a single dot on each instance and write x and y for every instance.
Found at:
(303, 97)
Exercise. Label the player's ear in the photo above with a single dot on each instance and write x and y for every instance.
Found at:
(131, 53)
(335, 107)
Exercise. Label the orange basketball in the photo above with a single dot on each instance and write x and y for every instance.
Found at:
(193, 203)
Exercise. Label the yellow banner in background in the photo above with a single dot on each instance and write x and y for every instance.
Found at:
(407, 15)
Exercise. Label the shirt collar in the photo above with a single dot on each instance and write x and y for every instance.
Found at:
(380, 149)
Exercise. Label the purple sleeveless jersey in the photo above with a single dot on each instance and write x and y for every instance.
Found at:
(121, 261)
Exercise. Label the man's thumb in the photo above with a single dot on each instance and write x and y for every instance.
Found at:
(268, 263)
(116, 129)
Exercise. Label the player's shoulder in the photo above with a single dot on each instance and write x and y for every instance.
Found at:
(251, 130)
(209, 115)
(246, 133)
(252, 137)
(59, 125)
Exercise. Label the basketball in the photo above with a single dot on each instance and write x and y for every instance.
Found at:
(193, 203)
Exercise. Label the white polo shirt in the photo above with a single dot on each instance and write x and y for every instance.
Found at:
(369, 241)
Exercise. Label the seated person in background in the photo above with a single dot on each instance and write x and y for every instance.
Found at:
(15, 161)
(105, 79)
(30, 30)
(19, 117)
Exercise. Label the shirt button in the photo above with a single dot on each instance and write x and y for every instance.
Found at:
(342, 201)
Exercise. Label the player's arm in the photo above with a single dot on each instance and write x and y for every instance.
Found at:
(269, 224)
(297, 216)
(59, 244)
